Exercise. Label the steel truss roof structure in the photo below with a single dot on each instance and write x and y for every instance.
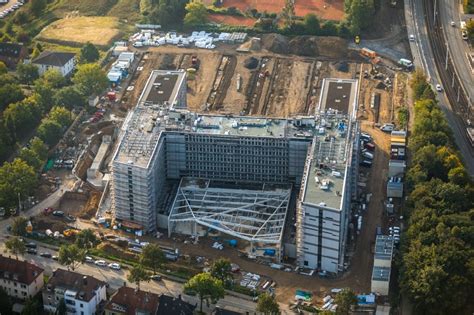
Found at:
(252, 215)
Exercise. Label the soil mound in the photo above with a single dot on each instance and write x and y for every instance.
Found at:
(311, 46)
(276, 43)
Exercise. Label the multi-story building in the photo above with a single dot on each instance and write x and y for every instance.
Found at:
(82, 294)
(241, 168)
(20, 279)
(130, 301)
(323, 209)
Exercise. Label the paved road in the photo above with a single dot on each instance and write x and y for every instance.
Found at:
(424, 58)
(458, 48)
(116, 279)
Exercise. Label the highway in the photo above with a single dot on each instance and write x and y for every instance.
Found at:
(457, 46)
(424, 57)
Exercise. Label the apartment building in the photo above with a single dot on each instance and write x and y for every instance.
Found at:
(82, 294)
(20, 279)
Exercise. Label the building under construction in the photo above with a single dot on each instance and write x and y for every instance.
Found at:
(191, 173)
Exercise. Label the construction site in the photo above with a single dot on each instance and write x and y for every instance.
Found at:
(264, 86)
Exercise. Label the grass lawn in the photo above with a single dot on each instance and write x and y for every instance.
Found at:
(99, 30)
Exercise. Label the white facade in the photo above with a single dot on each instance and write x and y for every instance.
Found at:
(65, 70)
(23, 291)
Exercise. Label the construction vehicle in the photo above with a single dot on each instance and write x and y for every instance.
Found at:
(372, 55)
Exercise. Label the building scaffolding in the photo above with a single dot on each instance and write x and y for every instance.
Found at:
(257, 216)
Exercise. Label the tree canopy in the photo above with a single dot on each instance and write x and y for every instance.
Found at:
(437, 254)
(90, 79)
(86, 239)
(152, 257)
(196, 13)
(27, 73)
(15, 246)
(207, 287)
(16, 179)
(89, 53)
(71, 256)
(138, 274)
(69, 97)
(345, 300)
(267, 305)
(221, 269)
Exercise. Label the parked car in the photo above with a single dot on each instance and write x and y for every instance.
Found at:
(387, 127)
(48, 210)
(31, 245)
(369, 146)
(365, 163)
(412, 38)
(366, 154)
(55, 257)
(114, 266)
(58, 213)
(89, 259)
(439, 88)
(46, 255)
(31, 251)
(156, 277)
(100, 263)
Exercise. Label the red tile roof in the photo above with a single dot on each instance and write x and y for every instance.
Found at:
(84, 285)
(128, 301)
(18, 270)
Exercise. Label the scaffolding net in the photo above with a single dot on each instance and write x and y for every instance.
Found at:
(255, 214)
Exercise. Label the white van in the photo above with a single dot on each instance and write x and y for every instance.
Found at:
(387, 127)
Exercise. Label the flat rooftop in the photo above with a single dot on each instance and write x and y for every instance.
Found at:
(383, 247)
(252, 126)
(162, 86)
(338, 94)
(331, 151)
(381, 273)
(156, 113)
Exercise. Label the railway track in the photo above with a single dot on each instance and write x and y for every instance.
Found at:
(451, 83)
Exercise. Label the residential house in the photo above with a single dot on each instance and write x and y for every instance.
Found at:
(64, 62)
(176, 306)
(20, 279)
(83, 295)
(12, 53)
(130, 301)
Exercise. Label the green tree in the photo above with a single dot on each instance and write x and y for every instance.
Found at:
(311, 23)
(38, 146)
(62, 308)
(7, 78)
(19, 226)
(221, 269)
(267, 305)
(69, 97)
(152, 257)
(27, 73)
(207, 287)
(61, 115)
(470, 29)
(17, 179)
(5, 303)
(15, 246)
(31, 307)
(345, 300)
(71, 256)
(10, 93)
(89, 53)
(37, 7)
(21, 117)
(86, 239)
(43, 94)
(54, 78)
(50, 131)
(91, 79)
(196, 13)
(31, 158)
(137, 275)
(3, 68)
